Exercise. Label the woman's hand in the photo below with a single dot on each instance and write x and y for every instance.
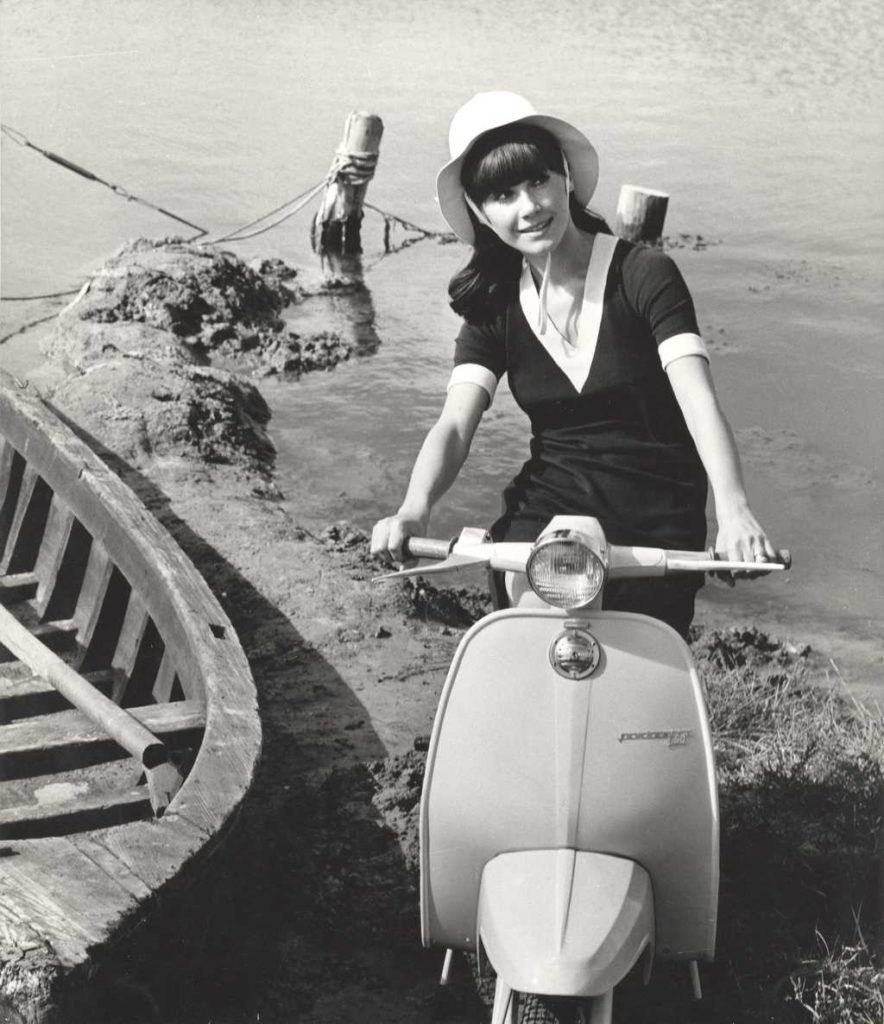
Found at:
(742, 539)
(389, 534)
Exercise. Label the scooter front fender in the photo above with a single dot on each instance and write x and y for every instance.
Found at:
(564, 922)
(619, 762)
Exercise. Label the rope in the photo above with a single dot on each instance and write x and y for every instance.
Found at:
(21, 140)
(30, 298)
(353, 167)
(26, 327)
(391, 221)
(349, 167)
(301, 199)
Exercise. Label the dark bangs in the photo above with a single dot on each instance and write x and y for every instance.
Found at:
(505, 156)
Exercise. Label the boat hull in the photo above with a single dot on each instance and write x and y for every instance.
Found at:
(83, 846)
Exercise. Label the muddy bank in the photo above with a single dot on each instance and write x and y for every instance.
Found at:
(309, 910)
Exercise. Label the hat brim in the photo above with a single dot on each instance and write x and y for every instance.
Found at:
(583, 163)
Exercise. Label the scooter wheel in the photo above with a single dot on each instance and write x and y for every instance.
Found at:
(532, 1009)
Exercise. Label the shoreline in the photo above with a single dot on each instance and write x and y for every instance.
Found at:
(843, 656)
(309, 912)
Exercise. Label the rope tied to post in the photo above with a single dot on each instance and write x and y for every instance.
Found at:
(353, 168)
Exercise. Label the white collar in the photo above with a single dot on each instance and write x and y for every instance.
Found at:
(575, 360)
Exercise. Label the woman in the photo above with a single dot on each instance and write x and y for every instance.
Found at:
(600, 343)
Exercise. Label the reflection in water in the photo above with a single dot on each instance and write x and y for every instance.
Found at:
(350, 300)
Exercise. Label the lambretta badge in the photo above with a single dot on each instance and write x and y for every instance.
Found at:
(674, 737)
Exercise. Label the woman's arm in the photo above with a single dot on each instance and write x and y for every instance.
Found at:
(440, 459)
(740, 535)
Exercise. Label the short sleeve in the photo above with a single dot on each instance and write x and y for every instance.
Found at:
(480, 356)
(656, 290)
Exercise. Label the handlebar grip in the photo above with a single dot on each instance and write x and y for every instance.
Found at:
(426, 547)
(783, 557)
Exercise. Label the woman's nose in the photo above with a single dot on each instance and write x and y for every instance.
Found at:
(529, 201)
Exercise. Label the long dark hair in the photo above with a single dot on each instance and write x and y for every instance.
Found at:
(482, 290)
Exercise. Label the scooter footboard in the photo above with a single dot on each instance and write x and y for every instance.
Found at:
(523, 757)
(563, 922)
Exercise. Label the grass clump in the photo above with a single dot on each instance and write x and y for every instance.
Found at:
(801, 793)
(801, 790)
(841, 985)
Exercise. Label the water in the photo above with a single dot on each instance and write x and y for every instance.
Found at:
(761, 120)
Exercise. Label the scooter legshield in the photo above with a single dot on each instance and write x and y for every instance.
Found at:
(620, 763)
(562, 922)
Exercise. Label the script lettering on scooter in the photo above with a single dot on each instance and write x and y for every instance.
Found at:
(675, 737)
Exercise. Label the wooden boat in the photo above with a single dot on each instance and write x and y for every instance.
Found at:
(129, 729)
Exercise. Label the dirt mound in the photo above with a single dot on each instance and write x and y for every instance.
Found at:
(142, 409)
(188, 303)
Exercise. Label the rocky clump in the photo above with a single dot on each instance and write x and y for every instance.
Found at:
(187, 303)
(151, 352)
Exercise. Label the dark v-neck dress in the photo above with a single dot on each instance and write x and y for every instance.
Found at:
(617, 448)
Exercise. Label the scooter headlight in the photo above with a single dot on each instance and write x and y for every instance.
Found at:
(564, 572)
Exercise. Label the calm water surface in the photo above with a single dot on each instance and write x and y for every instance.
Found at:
(761, 120)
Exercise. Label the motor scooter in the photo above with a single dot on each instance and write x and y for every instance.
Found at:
(569, 813)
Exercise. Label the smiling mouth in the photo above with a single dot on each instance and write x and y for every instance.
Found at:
(536, 229)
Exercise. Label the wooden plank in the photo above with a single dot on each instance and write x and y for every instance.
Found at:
(17, 587)
(7, 452)
(57, 636)
(128, 644)
(55, 539)
(154, 851)
(95, 583)
(18, 529)
(68, 739)
(60, 592)
(95, 848)
(164, 683)
(29, 695)
(11, 469)
(38, 820)
(69, 899)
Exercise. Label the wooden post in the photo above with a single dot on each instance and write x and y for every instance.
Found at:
(640, 214)
(336, 226)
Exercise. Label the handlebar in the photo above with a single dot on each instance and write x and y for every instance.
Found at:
(704, 561)
(427, 547)
(474, 548)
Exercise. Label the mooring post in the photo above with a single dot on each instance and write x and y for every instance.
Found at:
(336, 226)
(640, 214)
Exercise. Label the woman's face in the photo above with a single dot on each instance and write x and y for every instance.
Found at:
(531, 216)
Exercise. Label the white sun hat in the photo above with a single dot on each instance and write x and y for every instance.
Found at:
(489, 110)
